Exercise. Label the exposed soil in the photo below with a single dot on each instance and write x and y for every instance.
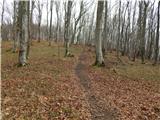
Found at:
(52, 87)
(97, 109)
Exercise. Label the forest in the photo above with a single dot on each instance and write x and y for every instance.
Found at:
(80, 59)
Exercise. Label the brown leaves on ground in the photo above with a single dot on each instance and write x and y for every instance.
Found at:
(45, 89)
(48, 87)
(134, 99)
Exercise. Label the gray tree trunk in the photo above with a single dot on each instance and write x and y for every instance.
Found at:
(31, 21)
(29, 15)
(39, 20)
(47, 21)
(143, 31)
(50, 27)
(2, 18)
(105, 28)
(132, 50)
(57, 3)
(81, 13)
(15, 38)
(66, 29)
(98, 41)
(119, 29)
(23, 23)
(157, 36)
(90, 29)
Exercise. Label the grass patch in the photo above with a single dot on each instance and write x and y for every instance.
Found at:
(135, 70)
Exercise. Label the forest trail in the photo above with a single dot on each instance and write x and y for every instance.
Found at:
(98, 112)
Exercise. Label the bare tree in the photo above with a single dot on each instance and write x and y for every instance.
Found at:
(15, 31)
(2, 17)
(30, 27)
(57, 3)
(105, 28)
(122, 43)
(81, 13)
(50, 27)
(66, 29)
(150, 33)
(47, 21)
(91, 28)
(40, 6)
(119, 29)
(79, 29)
(157, 36)
(31, 21)
(133, 33)
(23, 23)
(98, 41)
(143, 30)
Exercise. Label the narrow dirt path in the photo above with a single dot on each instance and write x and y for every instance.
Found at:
(98, 112)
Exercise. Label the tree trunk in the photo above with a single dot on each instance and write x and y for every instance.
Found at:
(90, 29)
(98, 41)
(133, 40)
(2, 18)
(66, 29)
(29, 28)
(57, 3)
(119, 29)
(157, 37)
(39, 20)
(47, 21)
(143, 31)
(123, 43)
(23, 26)
(105, 28)
(15, 40)
(31, 22)
(50, 28)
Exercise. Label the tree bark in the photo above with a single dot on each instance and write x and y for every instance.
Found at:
(2, 18)
(98, 41)
(50, 27)
(57, 3)
(66, 29)
(143, 31)
(157, 37)
(15, 38)
(119, 29)
(105, 28)
(23, 26)
(39, 20)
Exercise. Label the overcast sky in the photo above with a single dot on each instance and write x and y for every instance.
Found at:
(9, 8)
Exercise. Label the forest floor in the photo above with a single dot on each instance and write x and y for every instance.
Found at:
(52, 87)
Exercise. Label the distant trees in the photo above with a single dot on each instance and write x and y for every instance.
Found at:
(142, 43)
(2, 17)
(31, 21)
(39, 7)
(15, 30)
(81, 13)
(127, 30)
(90, 30)
(119, 30)
(98, 33)
(47, 21)
(57, 5)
